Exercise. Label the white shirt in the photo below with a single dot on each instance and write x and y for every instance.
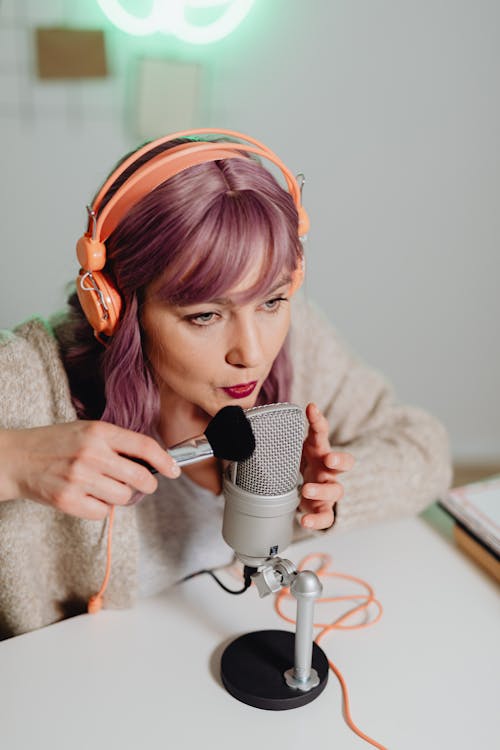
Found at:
(180, 532)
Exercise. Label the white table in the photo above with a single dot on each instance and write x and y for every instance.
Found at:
(426, 676)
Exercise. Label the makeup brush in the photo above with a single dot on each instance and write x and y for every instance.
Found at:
(229, 435)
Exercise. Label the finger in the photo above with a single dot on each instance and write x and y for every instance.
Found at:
(314, 506)
(92, 509)
(130, 473)
(317, 435)
(339, 461)
(80, 505)
(108, 476)
(109, 490)
(140, 446)
(325, 492)
(318, 520)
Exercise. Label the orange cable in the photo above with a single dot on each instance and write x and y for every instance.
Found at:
(368, 599)
(95, 602)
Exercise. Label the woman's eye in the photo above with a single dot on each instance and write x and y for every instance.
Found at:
(272, 305)
(202, 319)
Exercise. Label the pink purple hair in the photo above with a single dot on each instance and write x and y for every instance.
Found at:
(201, 232)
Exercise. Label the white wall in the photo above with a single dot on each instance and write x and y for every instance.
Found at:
(391, 109)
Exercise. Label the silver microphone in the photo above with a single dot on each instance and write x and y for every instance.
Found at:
(260, 492)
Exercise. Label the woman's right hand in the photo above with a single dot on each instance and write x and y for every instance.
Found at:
(80, 467)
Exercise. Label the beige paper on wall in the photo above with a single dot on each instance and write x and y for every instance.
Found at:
(167, 96)
(70, 53)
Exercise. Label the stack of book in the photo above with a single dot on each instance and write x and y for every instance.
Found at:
(475, 509)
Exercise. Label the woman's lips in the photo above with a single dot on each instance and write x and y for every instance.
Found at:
(242, 390)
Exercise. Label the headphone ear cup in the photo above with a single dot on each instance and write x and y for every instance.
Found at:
(303, 221)
(100, 301)
(297, 277)
(91, 254)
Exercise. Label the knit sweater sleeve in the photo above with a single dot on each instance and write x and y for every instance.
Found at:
(402, 453)
(34, 389)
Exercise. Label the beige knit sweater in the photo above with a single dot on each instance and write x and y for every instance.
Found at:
(51, 563)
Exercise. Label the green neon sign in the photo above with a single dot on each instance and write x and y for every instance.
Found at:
(169, 17)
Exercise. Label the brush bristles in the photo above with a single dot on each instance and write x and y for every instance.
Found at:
(230, 434)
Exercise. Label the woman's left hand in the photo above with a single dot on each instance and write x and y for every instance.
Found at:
(320, 467)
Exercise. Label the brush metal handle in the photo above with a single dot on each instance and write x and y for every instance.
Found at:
(188, 452)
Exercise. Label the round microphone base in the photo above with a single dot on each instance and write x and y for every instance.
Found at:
(253, 670)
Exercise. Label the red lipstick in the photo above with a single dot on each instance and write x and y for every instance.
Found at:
(242, 390)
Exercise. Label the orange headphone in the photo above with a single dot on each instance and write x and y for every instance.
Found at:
(98, 296)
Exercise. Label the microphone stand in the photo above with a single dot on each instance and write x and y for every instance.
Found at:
(255, 668)
(306, 587)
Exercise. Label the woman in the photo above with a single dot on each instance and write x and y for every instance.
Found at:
(189, 265)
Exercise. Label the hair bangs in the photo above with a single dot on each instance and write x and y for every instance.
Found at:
(240, 236)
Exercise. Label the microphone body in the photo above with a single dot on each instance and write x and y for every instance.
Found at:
(257, 528)
(261, 493)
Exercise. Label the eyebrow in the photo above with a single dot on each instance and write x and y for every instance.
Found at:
(226, 301)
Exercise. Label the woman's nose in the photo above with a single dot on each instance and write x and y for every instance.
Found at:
(244, 348)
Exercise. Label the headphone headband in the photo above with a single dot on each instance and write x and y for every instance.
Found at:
(166, 139)
(166, 165)
(91, 249)
(156, 171)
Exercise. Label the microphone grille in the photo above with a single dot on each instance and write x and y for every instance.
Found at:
(273, 468)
